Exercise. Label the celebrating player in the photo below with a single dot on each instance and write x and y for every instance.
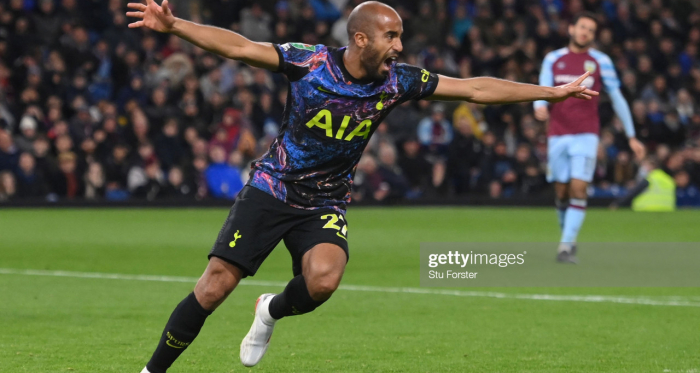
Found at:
(299, 189)
(574, 125)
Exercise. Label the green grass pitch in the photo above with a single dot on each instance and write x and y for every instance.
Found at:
(72, 324)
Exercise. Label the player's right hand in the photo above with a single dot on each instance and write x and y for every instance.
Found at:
(542, 113)
(574, 89)
(153, 16)
(638, 148)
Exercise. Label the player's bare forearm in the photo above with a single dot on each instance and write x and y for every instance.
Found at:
(492, 91)
(486, 90)
(227, 44)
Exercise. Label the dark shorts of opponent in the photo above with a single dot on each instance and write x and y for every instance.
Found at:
(258, 221)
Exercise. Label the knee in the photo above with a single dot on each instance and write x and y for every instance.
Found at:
(211, 294)
(322, 286)
(578, 193)
(214, 286)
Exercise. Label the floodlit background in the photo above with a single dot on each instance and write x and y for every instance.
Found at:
(90, 109)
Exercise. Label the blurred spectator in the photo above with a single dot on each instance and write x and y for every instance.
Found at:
(168, 145)
(687, 194)
(67, 181)
(159, 110)
(464, 155)
(177, 188)
(45, 162)
(339, 30)
(325, 10)
(403, 122)
(8, 186)
(27, 135)
(224, 181)
(417, 170)
(9, 154)
(237, 134)
(379, 138)
(391, 174)
(94, 181)
(143, 179)
(256, 23)
(368, 184)
(435, 133)
(470, 113)
(117, 167)
(147, 181)
(500, 168)
(603, 174)
(199, 179)
(624, 170)
(47, 22)
(30, 181)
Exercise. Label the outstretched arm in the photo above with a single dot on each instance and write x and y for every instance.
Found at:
(213, 39)
(496, 91)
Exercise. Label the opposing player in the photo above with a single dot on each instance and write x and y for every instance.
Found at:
(299, 189)
(574, 126)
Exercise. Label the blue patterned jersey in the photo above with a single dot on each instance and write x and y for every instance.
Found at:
(328, 120)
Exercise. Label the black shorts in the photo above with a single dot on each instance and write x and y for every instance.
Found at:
(258, 221)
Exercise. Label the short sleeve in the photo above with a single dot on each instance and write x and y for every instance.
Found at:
(415, 83)
(607, 70)
(295, 59)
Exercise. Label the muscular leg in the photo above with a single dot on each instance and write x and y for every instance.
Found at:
(322, 268)
(576, 212)
(217, 282)
(561, 201)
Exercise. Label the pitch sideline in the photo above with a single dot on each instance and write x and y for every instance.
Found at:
(671, 301)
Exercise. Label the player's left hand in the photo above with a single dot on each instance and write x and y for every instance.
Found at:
(638, 148)
(573, 89)
(153, 16)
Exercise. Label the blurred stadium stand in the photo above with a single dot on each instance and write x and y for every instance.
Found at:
(92, 111)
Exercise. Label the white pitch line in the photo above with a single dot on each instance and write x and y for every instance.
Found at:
(670, 301)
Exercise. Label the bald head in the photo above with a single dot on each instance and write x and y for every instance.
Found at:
(374, 33)
(370, 16)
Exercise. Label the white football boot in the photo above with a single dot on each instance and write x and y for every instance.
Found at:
(257, 340)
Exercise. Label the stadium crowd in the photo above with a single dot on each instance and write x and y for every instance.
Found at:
(92, 109)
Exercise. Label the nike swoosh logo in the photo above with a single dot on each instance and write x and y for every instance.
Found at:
(173, 346)
(341, 236)
(324, 90)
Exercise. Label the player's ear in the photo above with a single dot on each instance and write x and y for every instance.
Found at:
(361, 39)
(571, 30)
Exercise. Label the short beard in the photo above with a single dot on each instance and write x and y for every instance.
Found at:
(581, 46)
(370, 60)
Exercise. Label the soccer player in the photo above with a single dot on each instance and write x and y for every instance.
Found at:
(299, 189)
(574, 125)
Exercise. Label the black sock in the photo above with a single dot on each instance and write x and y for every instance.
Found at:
(294, 300)
(182, 328)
